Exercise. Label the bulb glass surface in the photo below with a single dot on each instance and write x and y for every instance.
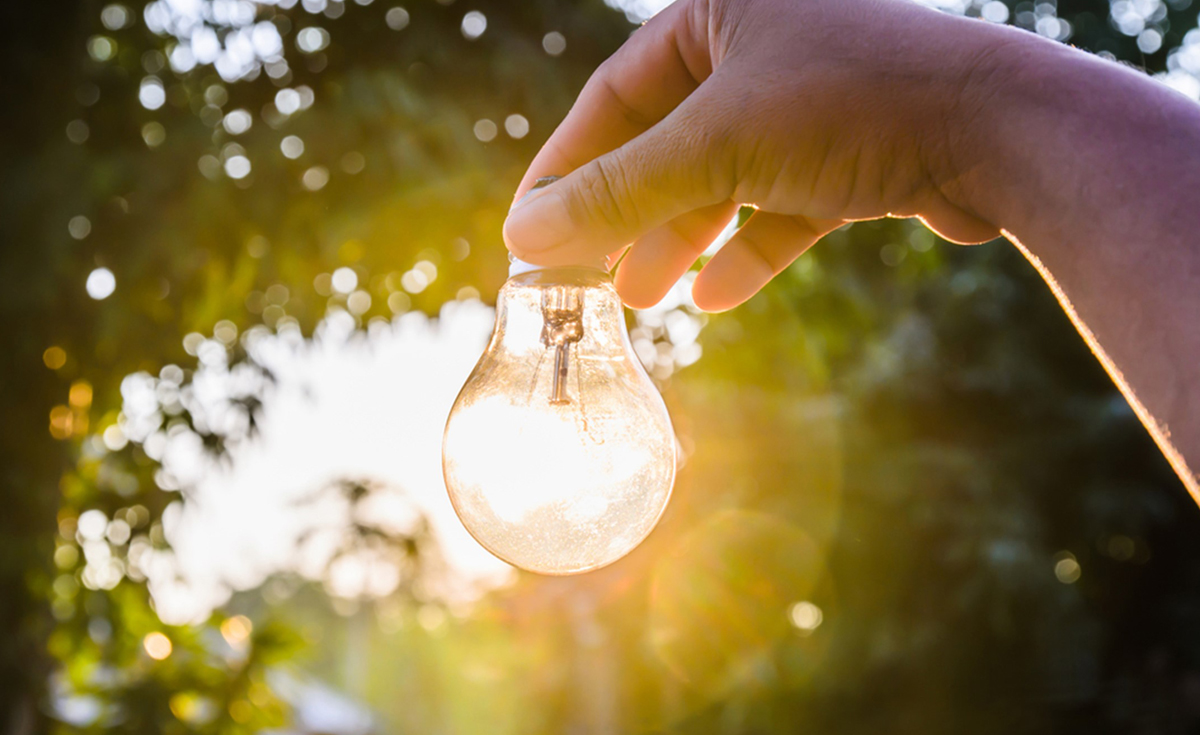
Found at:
(559, 455)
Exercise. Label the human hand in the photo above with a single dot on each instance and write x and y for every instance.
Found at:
(816, 113)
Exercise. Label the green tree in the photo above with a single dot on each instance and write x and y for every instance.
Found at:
(906, 435)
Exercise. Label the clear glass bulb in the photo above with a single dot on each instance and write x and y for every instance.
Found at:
(559, 454)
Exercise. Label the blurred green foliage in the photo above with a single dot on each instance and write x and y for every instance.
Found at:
(907, 435)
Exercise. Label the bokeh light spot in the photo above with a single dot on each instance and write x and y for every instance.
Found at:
(77, 131)
(79, 227)
(118, 532)
(182, 59)
(516, 126)
(237, 167)
(101, 48)
(1066, 568)
(240, 711)
(485, 130)
(114, 438)
(278, 69)
(474, 24)
(396, 18)
(115, 17)
(399, 302)
(237, 122)
(1149, 41)
(225, 332)
(153, 133)
(192, 708)
(209, 166)
(157, 646)
(994, 12)
(101, 283)
(54, 357)
(153, 61)
(315, 178)
(66, 557)
(80, 394)
(278, 294)
(192, 342)
(893, 254)
(359, 303)
(151, 93)
(312, 39)
(236, 631)
(554, 43)
(353, 162)
(91, 525)
(1121, 547)
(257, 246)
(806, 616)
(211, 115)
(287, 101)
(61, 422)
(292, 146)
(344, 280)
(414, 281)
(216, 95)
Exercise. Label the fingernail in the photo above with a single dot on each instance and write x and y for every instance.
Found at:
(539, 223)
(541, 183)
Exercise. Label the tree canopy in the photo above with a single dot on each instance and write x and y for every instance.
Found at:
(911, 498)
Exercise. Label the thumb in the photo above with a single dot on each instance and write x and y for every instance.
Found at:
(611, 201)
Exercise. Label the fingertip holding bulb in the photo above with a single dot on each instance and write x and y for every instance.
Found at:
(539, 226)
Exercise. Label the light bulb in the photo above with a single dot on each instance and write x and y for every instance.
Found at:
(559, 455)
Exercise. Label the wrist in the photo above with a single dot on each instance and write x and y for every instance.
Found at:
(977, 137)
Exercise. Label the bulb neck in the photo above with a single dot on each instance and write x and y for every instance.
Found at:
(517, 267)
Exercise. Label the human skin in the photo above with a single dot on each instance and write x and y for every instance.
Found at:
(820, 112)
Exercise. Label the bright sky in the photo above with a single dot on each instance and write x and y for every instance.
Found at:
(371, 406)
(639, 10)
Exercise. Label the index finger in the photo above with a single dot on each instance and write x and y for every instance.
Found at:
(657, 68)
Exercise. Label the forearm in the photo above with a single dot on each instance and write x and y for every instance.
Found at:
(1094, 171)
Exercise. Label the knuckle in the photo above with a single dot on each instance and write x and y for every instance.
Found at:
(703, 146)
(725, 20)
(721, 13)
(605, 195)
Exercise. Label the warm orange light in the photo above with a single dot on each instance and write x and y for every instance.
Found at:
(62, 422)
(236, 630)
(54, 357)
(806, 616)
(157, 645)
(81, 394)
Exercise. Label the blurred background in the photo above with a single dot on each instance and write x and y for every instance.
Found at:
(250, 251)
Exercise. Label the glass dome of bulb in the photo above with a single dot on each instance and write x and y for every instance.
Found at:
(559, 455)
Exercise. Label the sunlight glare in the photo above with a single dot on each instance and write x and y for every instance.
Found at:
(338, 407)
(547, 441)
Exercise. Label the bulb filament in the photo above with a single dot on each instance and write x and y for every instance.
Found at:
(562, 325)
